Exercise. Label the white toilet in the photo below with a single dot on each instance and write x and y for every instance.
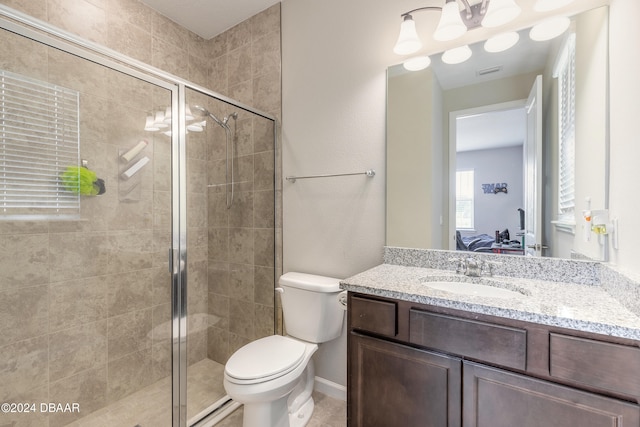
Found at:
(273, 377)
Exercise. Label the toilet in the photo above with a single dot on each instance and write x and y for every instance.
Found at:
(274, 376)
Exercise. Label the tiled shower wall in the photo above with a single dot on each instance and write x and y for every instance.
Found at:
(78, 300)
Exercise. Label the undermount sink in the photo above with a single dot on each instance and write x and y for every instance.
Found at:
(478, 287)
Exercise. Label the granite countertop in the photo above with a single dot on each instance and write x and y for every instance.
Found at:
(583, 307)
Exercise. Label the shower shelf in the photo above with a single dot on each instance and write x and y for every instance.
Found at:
(368, 172)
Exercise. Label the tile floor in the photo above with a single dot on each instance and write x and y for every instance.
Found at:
(328, 412)
(151, 406)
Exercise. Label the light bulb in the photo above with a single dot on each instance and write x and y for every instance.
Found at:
(501, 42)
(451, 25)
(417, 63)
(550, 28)
(408, 40)
(457, 55)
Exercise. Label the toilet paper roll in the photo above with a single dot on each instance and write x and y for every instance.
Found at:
(342, 299)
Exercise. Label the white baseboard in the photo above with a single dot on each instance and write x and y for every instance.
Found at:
(331, 389)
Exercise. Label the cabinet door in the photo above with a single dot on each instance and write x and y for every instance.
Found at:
(496, 398)
(395, 385)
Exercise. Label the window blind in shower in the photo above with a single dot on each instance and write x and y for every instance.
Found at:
(39, 140)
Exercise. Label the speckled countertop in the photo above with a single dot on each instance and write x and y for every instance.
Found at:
(578, 306)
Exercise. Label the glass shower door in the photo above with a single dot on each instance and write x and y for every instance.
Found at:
(230, 155)
(85, 296)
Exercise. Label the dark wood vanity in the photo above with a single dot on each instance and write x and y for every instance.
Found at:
(411, 364)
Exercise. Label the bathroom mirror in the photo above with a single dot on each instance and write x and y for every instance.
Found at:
(422, 112)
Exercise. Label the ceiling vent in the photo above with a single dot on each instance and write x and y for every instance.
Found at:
(487, 71)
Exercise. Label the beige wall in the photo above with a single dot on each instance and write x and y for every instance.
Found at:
(625, 151)
(84, 303)
(414, 160)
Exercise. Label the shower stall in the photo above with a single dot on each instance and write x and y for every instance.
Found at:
(138, 235)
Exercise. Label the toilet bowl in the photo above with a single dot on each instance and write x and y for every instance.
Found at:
(274, 376)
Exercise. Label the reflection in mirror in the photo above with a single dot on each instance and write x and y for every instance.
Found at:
(423, 132)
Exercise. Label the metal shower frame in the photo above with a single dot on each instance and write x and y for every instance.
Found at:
(42, 32)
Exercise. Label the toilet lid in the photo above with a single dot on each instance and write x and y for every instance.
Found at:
(265, 357)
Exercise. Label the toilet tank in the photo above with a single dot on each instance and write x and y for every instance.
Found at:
(310, 306)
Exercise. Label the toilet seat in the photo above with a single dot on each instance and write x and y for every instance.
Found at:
(265, 359)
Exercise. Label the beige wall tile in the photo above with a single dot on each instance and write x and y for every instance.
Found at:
(241, 212)
(218, 345)
(239, 65)
(264, 286)
(80, 17)
(24, 260)
(218, 278)
(267, 93)
(128, 374)
(241, 282)
(218, 214)
(129, 292)
(266, 55)
(238, 36)
(263, 319)
(77, 349)
(241, 318)
(218, 244)
(20, 55)
(262, 135)
(129, 333)
(241, 245)
(88, 389)
(136, 45)
(219, 310)
(133, 12)
(264, 247)
(23, 367)
(77, 302)
(169, 57)
(28, 419)
(263, 209)
(265, 22)
(264, 170)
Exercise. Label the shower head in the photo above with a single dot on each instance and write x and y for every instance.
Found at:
(204, 113)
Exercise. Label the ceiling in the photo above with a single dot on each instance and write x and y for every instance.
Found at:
(208, 18)
(495, 129)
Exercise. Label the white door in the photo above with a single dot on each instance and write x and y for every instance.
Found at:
(533, 172)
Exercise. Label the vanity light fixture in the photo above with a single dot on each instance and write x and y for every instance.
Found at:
(454, 22)
(547, 5)
(457, 55)
(549, 29)
(501, 42)
(416, 63)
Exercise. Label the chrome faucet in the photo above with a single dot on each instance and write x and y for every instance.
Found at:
(474, 267)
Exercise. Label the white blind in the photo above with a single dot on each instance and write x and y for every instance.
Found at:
(39, 139)
(567, 129)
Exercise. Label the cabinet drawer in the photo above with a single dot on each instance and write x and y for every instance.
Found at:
(495, 344)
(602, 365)
(371, 315)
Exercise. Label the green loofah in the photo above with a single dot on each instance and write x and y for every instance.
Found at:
(80, 180)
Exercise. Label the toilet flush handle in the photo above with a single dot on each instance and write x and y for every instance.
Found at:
(280, 290)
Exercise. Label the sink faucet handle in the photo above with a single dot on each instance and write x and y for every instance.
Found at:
(489, 265)
(460, 264)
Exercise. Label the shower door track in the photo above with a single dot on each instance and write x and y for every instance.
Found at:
(42, 32)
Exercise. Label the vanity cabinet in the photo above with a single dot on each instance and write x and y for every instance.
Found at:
(415, 365)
